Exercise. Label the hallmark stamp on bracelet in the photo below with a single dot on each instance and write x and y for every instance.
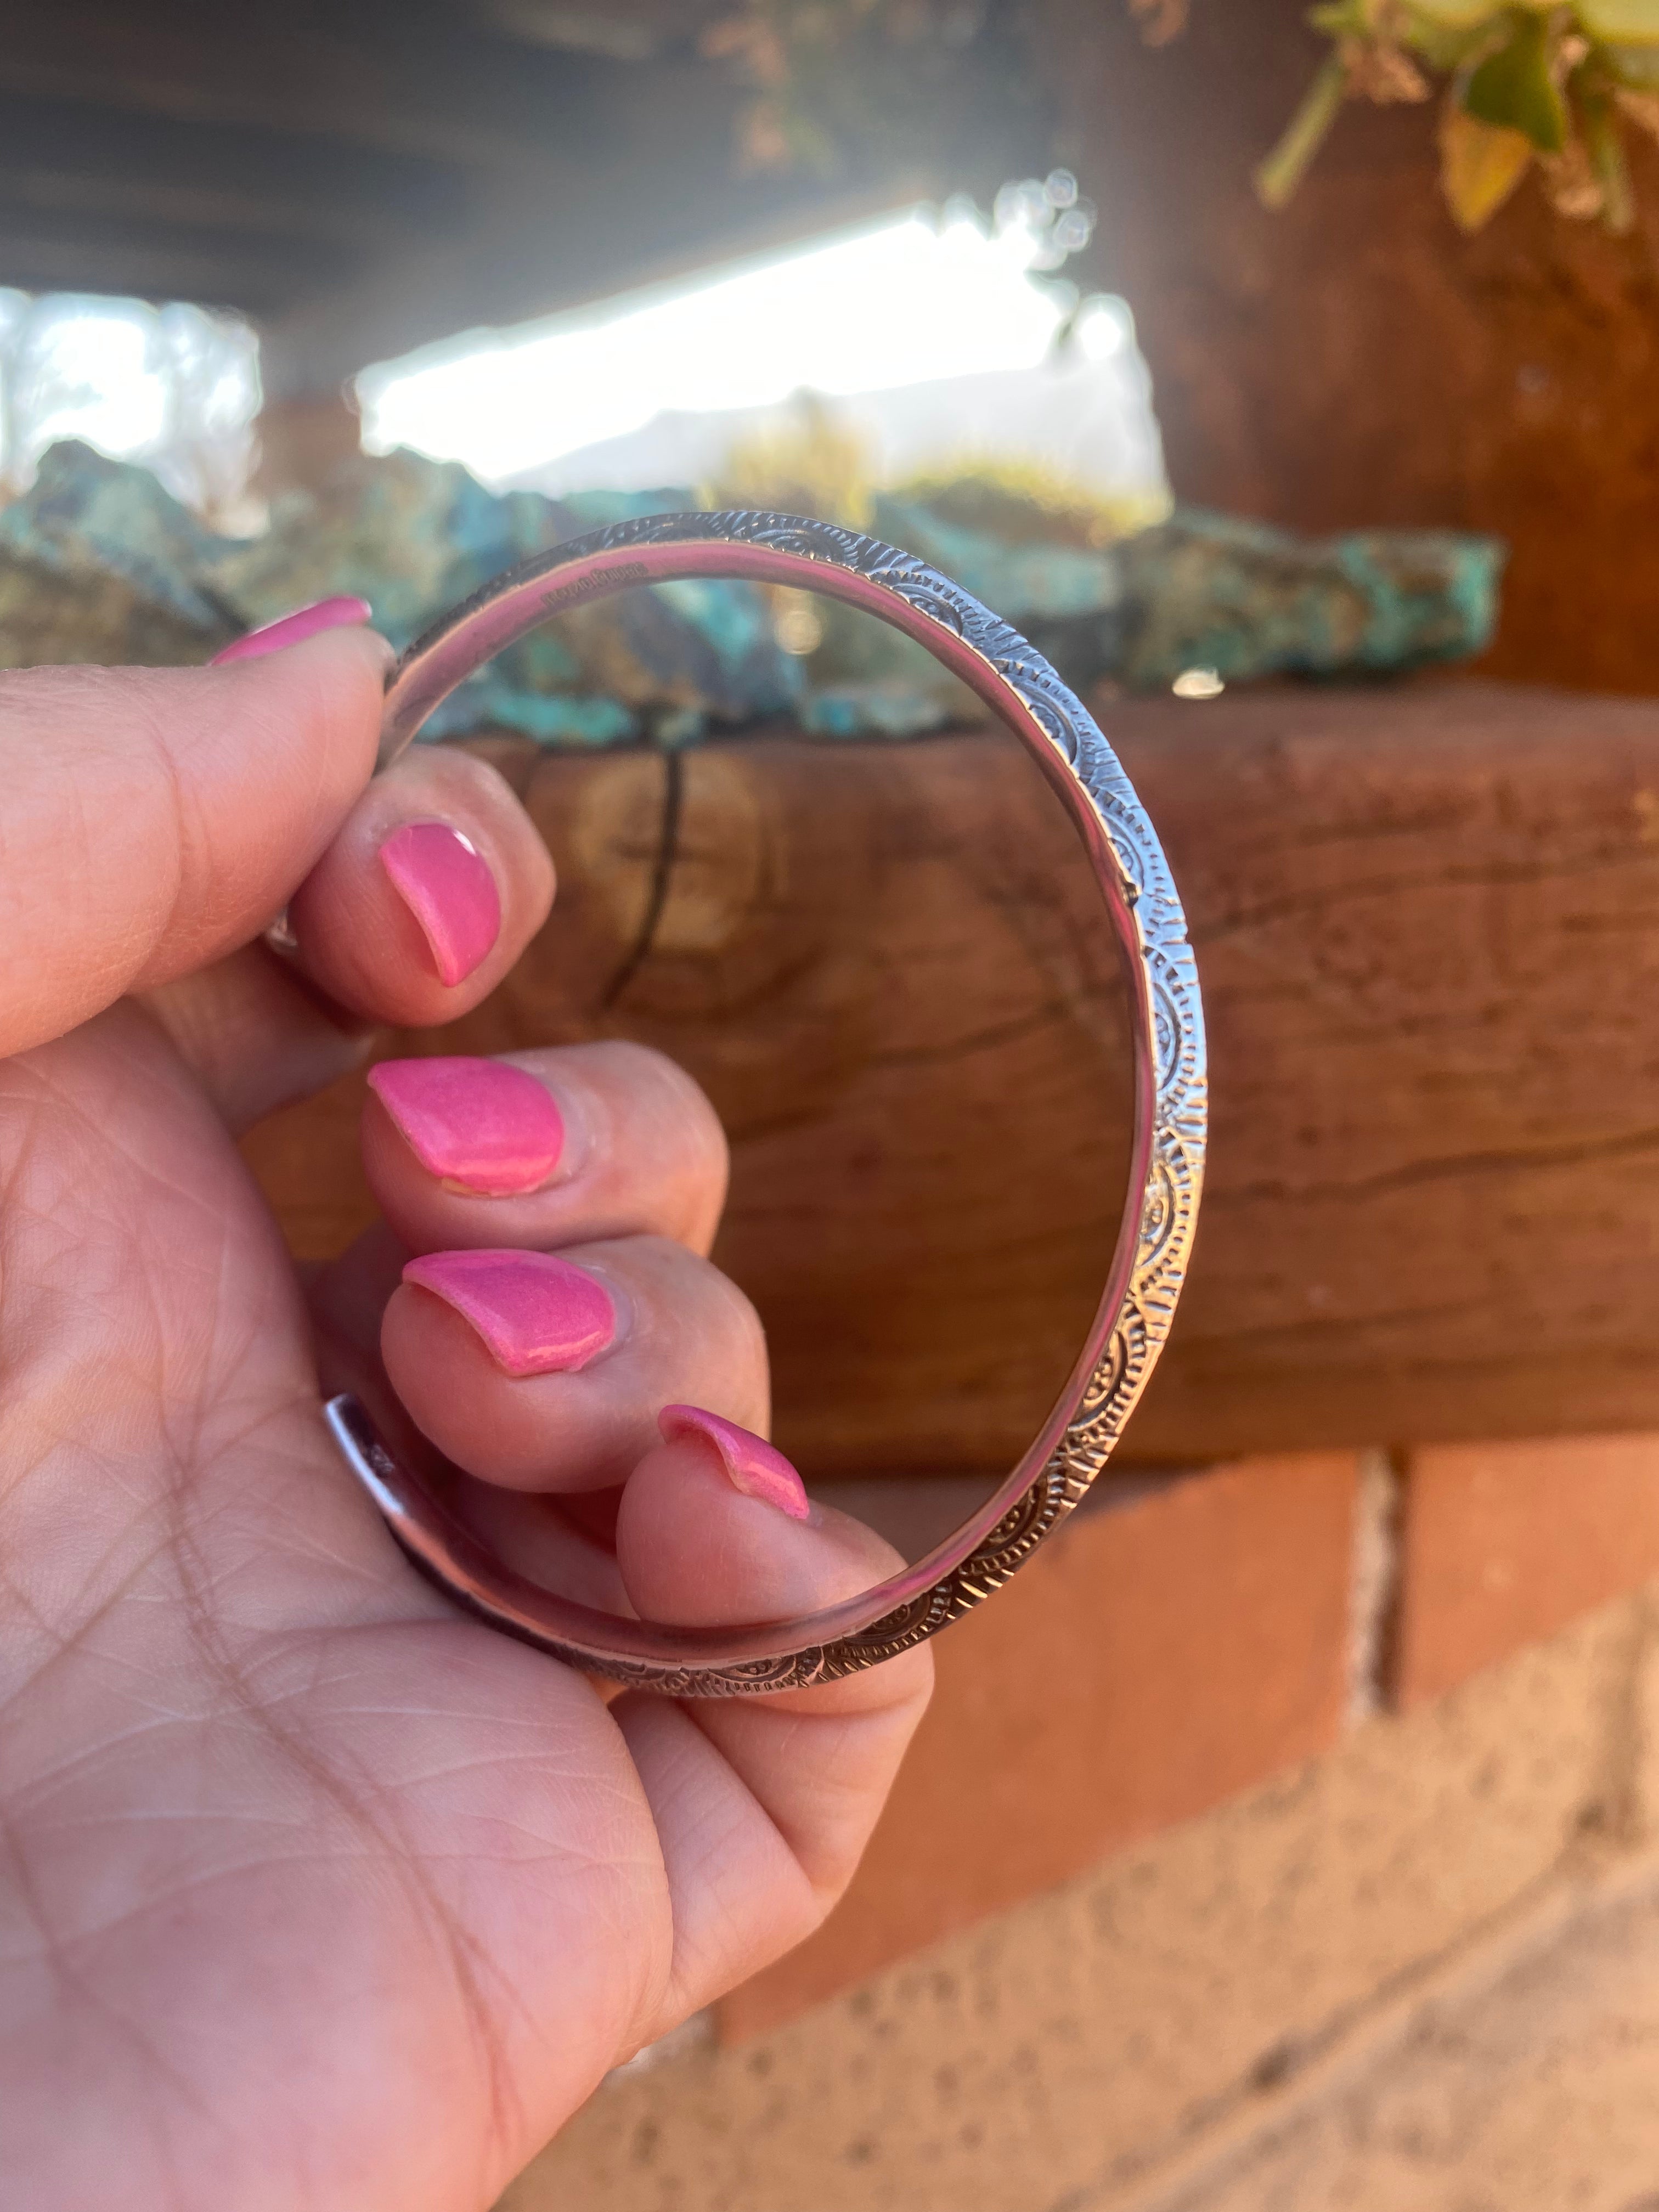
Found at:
(595, 586)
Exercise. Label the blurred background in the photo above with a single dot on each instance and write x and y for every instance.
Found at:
(1287, 1835)
(961, 311)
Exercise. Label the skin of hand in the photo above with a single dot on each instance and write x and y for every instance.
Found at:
(313, 1892)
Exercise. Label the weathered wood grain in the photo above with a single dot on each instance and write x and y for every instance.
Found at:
(1427, 922)
(1428, 928)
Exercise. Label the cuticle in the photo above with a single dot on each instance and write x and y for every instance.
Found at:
(621, 1310)
(574, 1119)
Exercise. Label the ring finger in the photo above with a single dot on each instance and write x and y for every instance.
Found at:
(546, 1371)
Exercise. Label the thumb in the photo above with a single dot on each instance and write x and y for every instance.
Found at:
(154, 818)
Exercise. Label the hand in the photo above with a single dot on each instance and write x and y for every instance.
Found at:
(312, 1891)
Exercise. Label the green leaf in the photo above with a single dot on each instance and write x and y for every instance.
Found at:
(1445, 46)
(1453, 15)
(1515, 88)
(1481, 165)
(1341, 19)
(1620, 23)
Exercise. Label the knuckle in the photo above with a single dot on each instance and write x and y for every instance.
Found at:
(450, 769)
(730, 1316)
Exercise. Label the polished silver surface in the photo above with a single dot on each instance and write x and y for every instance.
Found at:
(1167, 1161)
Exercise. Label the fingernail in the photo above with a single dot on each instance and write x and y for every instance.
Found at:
(483, 1125)
(537, 1314)
(757, 1468)
(449, 889)
(289, 629)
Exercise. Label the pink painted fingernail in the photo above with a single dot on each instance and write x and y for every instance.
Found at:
(290, 629)
(482, 1124)
(537, 1315)
(757, 1468)
(448, 887)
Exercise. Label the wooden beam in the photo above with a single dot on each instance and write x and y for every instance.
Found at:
(354, 232)
(417, 79)
(76, 157)
(627, 30)
(659, 197)
(1427, 922)
(51, 249)
(485, 171)
(154, 271)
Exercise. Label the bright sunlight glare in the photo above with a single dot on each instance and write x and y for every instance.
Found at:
(106, 388)
(175, 388)
(902, 303)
